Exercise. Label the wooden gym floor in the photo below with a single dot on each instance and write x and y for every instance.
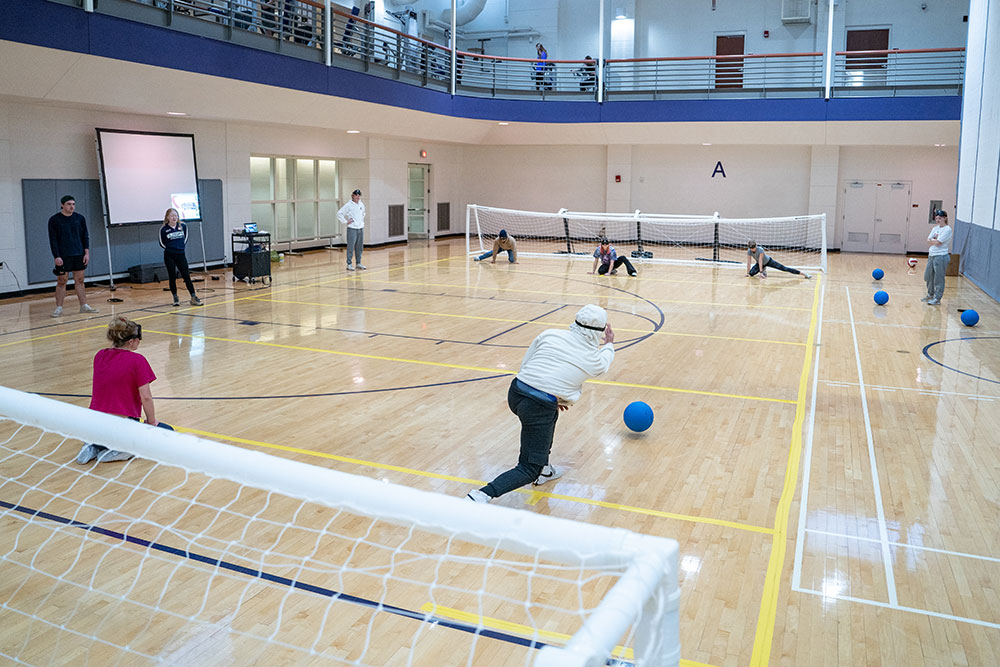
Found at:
(829, 467)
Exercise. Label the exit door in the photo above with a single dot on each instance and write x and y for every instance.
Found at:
(417, 210)
(876, 216)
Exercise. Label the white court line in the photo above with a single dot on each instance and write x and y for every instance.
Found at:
(903, 545)
(923, 392)
(807, 465)
(898, 607)
(947, 331)
(890, 576)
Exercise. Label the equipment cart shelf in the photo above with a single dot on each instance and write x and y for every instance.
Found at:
(251, 256)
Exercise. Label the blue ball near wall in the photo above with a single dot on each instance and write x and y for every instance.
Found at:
(970, 318)
(881, 297)
(638, 416)
(878, 274)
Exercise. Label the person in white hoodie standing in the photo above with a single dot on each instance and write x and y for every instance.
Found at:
(352, 214)
(551, 378)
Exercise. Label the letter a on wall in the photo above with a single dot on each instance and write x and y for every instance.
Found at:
(719, 169)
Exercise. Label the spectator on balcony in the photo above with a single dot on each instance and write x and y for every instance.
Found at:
(269, 17)
(541, 67)
(588, 74)
(243, 15)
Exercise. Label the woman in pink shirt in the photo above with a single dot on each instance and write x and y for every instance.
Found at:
(121, 385)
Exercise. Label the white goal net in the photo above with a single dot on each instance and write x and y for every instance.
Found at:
(196, 552)
(798, 241)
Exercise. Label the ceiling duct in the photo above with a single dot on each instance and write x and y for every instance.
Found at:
(466, 11)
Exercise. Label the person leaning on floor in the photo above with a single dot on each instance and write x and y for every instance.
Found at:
(70, 244)
(503, 241)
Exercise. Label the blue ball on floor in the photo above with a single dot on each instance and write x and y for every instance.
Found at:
(881, 297)
(638, 416)
(878, 274)
(970, 318)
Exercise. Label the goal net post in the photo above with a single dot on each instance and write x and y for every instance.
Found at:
(799, 241)
(243, 524)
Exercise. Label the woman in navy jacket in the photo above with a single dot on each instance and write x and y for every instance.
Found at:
(173, 238)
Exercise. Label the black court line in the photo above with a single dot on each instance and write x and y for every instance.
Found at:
(959, 340)
(518, 326)
(277, 579)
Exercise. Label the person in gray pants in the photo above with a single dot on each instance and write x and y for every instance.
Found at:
(352, 214)
(937, 258)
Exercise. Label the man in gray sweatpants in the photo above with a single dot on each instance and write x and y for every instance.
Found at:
(352, 214)
(937, 258)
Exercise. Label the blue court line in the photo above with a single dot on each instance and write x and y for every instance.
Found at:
(956, 340)
(518, 326)
(276, 579)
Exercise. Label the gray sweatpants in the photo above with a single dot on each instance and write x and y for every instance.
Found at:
(934, 275)
(355, 244)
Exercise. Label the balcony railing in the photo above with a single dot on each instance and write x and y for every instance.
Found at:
(352, 42)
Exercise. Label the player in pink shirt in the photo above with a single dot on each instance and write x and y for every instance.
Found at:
(121, 385)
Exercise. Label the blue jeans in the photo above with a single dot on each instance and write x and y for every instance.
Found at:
(770, 263)
(934, 275)
(538, 425)
(489, 253)
(355, 244)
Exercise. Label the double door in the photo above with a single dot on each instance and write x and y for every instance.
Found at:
(876, 216)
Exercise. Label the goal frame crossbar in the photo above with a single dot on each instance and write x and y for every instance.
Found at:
(646, 594)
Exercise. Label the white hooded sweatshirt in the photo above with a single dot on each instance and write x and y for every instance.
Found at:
(559, 361)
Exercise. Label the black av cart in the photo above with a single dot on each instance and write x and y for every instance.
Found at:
(251, 256)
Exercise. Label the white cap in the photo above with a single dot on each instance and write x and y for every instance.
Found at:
(592, 317)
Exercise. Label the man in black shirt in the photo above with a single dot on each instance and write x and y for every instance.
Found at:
(70, 245)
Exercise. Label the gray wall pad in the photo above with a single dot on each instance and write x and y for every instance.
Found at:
(980, 250)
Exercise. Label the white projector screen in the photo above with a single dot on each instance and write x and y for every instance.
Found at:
(145, 173)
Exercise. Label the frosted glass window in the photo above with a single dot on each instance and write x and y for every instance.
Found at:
(305, 179)
(328, 179)
(263, 215)
(305, 220)
(295, 198)
(328, 223)
(283, 221)
(260, 179)
(284, 179)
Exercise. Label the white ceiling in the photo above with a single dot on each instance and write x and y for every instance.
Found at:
(62, 78)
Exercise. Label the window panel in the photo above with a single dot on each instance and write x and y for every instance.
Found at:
(305, 179)
(260, 179)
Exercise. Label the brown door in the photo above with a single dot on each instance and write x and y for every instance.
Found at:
(867, 40)
(729, 71)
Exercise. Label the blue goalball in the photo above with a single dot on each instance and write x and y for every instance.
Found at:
(638, 416)
(878, 274)
(970, 318)
(881, 297)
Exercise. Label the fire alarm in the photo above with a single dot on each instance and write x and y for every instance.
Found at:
(618, 178)
(767, 33)
(423, 153)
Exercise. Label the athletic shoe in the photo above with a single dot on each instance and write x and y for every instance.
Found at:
(615, 272)
(549, 473)
(176, 301)
(807, 276)
(87, 308)
(934, 302)
(350, 268)
(633, 274)
(362, 267)
(927, 298)
(478, 496)
(476, 259)
(112, 455)
(195, 301)
(763, 274)
(57, 312)
(88, 453)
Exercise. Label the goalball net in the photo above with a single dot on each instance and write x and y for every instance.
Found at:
(195, 550)
(798, 241)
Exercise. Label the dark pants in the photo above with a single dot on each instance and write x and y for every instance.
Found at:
(754, 270)
(603, 268)
(538, 425)
(177, 263)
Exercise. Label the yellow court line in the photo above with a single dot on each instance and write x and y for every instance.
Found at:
(516, 321)
(587, 295)
(213, 303)
(764, 634)
(478, 482)
(478, 369)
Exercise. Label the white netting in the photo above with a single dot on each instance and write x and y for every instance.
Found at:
(795, 241)
(151, 560)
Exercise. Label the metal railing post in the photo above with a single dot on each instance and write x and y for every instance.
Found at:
(600, 55)
(829, 52)
(327, 34)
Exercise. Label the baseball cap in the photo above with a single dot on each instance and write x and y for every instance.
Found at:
(67, 198)
(503, 233)
(356, 192)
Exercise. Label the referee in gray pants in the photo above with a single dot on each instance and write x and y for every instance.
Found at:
(352, 214)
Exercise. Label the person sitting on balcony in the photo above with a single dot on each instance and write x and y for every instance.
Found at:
(588, 74)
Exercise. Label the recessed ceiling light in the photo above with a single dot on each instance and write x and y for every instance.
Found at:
(940, 144)
(503, 123)
(705, 143)
(354, 131)
(176, 113)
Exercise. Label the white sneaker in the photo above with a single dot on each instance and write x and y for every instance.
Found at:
(350, 268)
(113, 455)
(362, 267)
(87, 308)
(807, 276)
(478, 496)
(548, 474)
(57, 312)
(88, 453)
(927, 298)
(934, 302)
(195, 301)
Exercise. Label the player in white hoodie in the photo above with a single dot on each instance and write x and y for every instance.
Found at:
(552, 374)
